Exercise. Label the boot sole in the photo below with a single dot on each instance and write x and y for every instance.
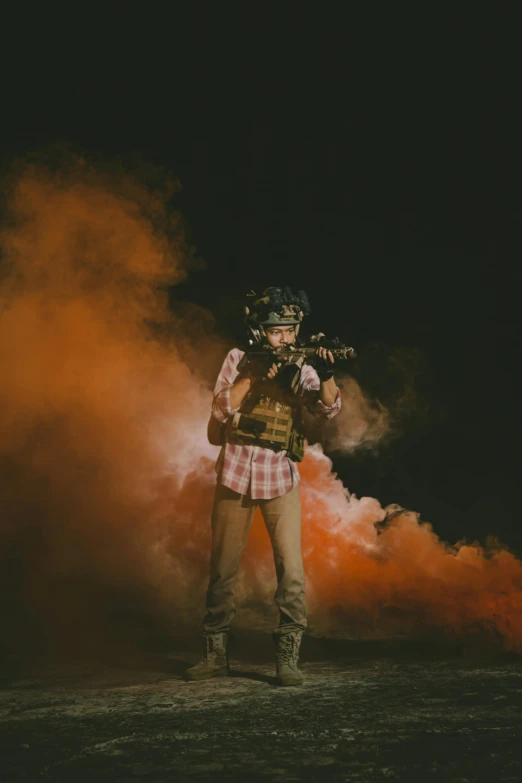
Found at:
(289, 683)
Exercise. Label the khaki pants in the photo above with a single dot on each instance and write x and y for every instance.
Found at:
(231, 521)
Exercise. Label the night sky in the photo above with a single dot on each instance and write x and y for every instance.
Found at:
(368, 153)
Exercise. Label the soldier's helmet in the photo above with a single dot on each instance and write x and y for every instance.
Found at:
(275, 307)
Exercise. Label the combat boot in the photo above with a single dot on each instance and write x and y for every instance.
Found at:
(287, 657)
(214, 661)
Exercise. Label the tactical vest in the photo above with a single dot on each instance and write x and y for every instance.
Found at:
(270, 417)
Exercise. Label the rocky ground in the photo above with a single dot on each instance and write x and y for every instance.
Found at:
(368, 711)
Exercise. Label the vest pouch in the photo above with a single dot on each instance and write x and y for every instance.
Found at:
(296, 444)
(259, 427)
(251, 425)
(216, 432)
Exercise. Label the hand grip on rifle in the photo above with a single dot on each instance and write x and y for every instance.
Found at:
(339, 350)
(257, 365)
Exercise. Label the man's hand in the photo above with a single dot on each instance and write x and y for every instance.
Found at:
(272, 371)
(263, 371)
(260, 367)
(324, 364)
(280, 371)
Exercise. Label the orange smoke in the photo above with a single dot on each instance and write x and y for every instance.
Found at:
(398, 578)
(107, 477)
(100, 414)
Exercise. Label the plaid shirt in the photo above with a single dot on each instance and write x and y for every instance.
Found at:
(261, 472)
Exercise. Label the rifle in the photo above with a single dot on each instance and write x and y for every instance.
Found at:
(293, 353)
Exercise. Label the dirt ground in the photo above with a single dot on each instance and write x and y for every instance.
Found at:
(368, 711)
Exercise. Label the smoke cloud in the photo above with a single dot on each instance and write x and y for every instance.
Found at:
(375, 572)
(101, 417)
(362, 423)
(371, 418)
(107, 477)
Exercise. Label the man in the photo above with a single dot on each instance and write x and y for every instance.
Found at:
(260, 407)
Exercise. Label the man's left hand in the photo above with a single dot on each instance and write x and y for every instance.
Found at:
(323, 364)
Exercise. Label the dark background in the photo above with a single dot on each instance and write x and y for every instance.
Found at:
(368, 153)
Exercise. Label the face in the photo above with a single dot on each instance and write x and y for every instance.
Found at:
(279, 336)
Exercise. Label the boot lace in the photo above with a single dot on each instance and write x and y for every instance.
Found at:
(288, 649)
(213, 648)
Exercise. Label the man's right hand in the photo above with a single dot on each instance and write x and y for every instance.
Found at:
(258, 368)
(272, 371)
(255, 370)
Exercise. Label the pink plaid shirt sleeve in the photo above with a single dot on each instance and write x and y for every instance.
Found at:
(261, 472)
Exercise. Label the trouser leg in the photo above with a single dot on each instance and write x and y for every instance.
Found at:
(282, 517)
(231, 522)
